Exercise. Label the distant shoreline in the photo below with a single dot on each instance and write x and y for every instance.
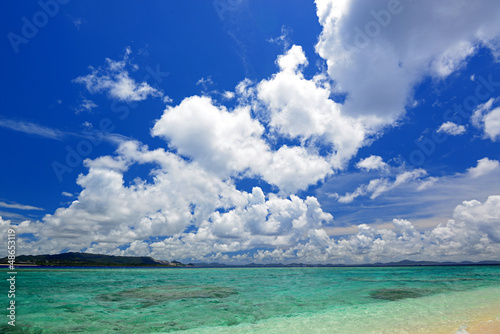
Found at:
(93, 266)
(76, 259)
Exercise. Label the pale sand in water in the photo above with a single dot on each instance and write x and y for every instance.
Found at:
(484, 327)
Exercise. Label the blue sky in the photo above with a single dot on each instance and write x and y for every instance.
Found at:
(238, 131)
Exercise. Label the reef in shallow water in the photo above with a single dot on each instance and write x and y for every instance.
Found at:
(157, 294)
(398, 293)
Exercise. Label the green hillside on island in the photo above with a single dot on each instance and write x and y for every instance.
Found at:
(87, 259)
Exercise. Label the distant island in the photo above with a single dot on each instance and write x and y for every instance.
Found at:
(403, 263)
(75, 259)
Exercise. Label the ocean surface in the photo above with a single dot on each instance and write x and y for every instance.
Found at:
(253, 300)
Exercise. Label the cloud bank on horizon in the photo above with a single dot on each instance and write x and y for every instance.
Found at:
(297, 135)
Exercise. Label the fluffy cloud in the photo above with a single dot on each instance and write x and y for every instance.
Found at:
(259, 223)
(485, 217)
(373, 162)
(484, 166)
(377, 51)
(473, 233)
(492, 124)
(109, 213)
(452, 129)
(230, 143)
(219, 140)
(193, 214)
(487, 118)
(291, 61)
(301, 109)
(115, 80)
(293, 231)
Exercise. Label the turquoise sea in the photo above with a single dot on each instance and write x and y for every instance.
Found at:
(253, 300)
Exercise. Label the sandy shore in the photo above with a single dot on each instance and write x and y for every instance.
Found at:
(482, 327)
(485, 324)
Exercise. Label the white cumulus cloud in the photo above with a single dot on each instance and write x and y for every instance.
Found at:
(115, 80)
(452, 129)
(487, 118)
(484, 166)
(377, 51)
(373, 162)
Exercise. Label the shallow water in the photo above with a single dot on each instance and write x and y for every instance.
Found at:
(267, 300)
